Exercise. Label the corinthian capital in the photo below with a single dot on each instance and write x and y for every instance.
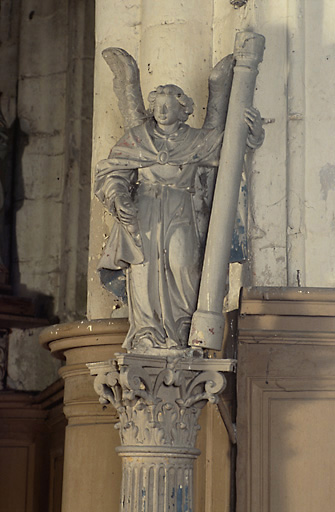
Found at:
(159, 399)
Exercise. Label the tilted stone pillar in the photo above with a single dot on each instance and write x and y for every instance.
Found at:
(208, 321)
(158, 400)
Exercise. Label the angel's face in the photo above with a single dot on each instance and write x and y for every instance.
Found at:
(167, 110)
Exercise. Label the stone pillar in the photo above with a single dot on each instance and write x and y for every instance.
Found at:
(158, 400)
(176, 47)
(90, 433)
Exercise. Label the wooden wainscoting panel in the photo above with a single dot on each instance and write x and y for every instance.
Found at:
(16, 467)
(286, 402)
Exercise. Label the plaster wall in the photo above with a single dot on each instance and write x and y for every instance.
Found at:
(30, 367)
(39, 172)
(319, 146)
(291, 178)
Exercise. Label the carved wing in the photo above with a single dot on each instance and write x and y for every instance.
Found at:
(127, 86)
(219, 85)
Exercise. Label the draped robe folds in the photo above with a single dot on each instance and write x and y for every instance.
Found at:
(162, 252)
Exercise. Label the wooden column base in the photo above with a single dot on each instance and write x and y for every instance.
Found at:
(92, 469)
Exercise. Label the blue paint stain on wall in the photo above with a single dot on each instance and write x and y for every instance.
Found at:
(238, 251)
(239, 247)
(114, 281)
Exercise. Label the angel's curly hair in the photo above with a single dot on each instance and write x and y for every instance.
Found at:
(185, 101)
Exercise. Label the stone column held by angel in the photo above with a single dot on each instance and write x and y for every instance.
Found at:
(208, 321)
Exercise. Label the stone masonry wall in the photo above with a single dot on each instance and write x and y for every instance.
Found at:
(46, 80)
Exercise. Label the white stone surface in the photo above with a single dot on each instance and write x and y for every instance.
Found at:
(176, 47)
(30, 367)
(319, 147)
(292, 178)
(117, 24)
(267, 166)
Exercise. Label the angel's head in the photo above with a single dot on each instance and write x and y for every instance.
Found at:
(169, 104)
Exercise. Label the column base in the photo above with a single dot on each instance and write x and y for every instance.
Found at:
(90, 433)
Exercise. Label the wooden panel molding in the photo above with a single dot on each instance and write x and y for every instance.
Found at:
(286, 400)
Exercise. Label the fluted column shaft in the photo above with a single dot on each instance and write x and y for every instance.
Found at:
(157, 482)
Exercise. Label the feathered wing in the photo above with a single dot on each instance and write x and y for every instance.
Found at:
(127, 86)
(220, 82)
(219, 85)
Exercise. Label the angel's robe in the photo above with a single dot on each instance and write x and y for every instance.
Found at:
(163, 271)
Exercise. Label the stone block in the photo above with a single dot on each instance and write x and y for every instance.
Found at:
(43, 176)
(30, 367)
(42, 243)
(43, 38)
(34, 108)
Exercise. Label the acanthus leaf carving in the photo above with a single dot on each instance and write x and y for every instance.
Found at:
(157, 405)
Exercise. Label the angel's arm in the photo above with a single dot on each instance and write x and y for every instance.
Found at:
(219, 85)
(126, 86)
(111, 183)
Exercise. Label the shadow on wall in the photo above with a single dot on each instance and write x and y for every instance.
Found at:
(19, 142)
(43, 304)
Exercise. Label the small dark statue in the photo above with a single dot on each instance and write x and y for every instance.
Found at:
(148, 185)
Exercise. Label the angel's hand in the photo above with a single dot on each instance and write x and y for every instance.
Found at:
(125, 209)
(254, 121)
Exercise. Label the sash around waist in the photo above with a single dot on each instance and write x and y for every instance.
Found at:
(157, 186)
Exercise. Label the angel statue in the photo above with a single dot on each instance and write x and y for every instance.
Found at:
(148, 185)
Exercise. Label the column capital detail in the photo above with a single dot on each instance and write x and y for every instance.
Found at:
(159, 399)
